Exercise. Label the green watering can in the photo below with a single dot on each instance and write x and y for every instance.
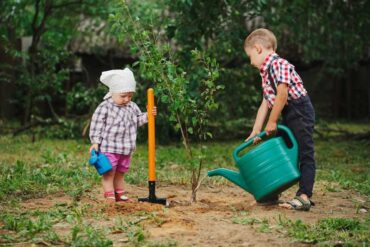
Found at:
(266, 170)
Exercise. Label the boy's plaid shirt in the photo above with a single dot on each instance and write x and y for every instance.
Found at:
(115, 127)
(281, 71)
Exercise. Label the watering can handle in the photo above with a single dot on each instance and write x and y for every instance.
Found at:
(246, 144)
(93, 157)
(262, 135)
(294, 147)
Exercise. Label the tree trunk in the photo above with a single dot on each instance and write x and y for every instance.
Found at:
(349, 90)
(37, 30)
(27, 109)
(336, 97)
(368, 101)
(31, 69)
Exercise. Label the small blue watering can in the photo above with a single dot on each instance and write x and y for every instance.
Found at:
(266, 170)
(100, 161)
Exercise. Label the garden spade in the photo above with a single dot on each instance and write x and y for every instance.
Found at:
(151, 153)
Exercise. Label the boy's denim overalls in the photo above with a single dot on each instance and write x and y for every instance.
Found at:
(299, 116)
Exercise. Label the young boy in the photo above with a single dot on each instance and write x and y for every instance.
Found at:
(113, 129)
(284, 93)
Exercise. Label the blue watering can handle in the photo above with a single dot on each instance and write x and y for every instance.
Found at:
(263, 135)
(93, 157)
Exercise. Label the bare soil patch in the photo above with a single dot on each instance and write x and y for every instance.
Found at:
(209, 222)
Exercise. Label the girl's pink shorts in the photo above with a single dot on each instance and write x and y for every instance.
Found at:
(120, 162)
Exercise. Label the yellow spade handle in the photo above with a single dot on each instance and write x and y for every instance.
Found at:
(151, 135)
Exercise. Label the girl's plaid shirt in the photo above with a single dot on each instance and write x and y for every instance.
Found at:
(281, 71)
(115, 127)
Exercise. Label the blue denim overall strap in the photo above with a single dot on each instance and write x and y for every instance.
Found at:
(272, 82)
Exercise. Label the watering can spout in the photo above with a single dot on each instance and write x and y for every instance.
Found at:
(232, 176)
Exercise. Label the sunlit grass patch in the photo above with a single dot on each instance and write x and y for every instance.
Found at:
(329, 231)
(50, 171)
(344, 162)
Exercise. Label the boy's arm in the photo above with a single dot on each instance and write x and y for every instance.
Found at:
(280, 102)
(260, 119)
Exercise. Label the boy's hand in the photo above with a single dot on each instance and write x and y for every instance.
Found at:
(256, 140)
(94, 146)
(270, 128)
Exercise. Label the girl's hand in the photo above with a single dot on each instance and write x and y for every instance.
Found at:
(94, 146)
(154, 112)
(256, 140)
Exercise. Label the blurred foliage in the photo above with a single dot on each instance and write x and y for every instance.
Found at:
(331, 35)
(326, 31)
(39, 72)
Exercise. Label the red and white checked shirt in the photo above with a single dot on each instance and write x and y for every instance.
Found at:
(281, 71)
(114, 127)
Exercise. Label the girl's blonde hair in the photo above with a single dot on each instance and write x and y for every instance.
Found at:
(261, 36)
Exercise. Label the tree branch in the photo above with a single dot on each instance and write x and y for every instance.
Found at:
(33, 124)
(37, 11)
(40, 29)
(60, 6)
(55, 115)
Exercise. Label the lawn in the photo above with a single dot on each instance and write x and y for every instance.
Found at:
(51, 196)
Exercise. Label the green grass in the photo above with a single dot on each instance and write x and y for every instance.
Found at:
(329, 231)
(345, 162)
(33, 170)
(37, 226)
(326, 232)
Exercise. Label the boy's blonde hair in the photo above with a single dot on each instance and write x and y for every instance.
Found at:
(261, 36)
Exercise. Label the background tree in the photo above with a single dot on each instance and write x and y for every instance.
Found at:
(40, 71)
(335, 33)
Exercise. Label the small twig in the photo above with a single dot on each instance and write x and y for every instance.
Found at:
(139, 220)
(43, 242)
(55, 115)
(200, 183)
(84, 131)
